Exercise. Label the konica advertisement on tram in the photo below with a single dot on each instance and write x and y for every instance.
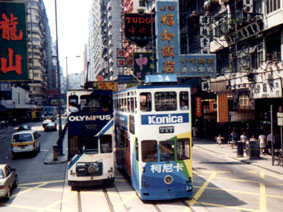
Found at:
(154, 140)
(90, 137)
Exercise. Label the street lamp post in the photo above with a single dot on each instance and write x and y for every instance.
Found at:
(60, 139)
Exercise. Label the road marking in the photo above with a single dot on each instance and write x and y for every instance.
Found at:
(40, 182)
(262, 190)
(30, 208)
(230, 190)
(225, 206)
(238, 180)
(27, 190)
(52, 205)
(201, 190)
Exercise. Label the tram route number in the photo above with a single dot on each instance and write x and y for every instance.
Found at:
(166, 129)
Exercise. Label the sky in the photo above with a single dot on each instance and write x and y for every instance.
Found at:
(72, 30)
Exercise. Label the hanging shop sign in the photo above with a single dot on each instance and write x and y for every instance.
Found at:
(169, 58)
(222, 108)
(267, 89)
(144, 64)
(13, 42)
(139, 28)
(198, 107)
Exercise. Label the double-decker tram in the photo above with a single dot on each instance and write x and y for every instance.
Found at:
(90, 137)
(154, 140)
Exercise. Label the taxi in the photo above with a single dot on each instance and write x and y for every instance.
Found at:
(25, 141)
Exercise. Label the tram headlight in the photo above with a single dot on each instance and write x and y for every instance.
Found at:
(168, 179)
(72, 172)
(189, 188)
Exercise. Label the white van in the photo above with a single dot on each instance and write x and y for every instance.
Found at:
(25, 141)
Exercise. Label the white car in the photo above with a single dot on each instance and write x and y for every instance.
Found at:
(8, 180)
(48, 124)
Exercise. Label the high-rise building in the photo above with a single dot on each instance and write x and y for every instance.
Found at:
(104, 39)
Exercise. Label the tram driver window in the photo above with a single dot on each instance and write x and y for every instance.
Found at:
(183, 149)
(167, 150)
(149, 151)
(184, 100)
(165, 101)
(106, 144)
(145, 101)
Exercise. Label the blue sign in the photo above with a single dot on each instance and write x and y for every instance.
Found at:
(167, 42)
(161, 78)
(169, 58)
(175, 118)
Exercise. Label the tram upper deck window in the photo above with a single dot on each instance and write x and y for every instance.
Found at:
(165, 101)
(106, 144)
(73, 103)
(145, 101)
(166, 150)
(184, 100)
(183, 149)
(149, 151)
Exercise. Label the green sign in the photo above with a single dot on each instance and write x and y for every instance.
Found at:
(13, 42)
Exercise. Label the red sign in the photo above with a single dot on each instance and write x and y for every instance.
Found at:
(198, 107)
(222, 108)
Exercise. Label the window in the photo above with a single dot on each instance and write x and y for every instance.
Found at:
(106, 144)
(184, 100)
(145, 101)
(165, 101)
(142, 3)
(23, 137)
(183, 149)
(149, 151)
(166, 150)
(1, 174)
(272, 5)
(137, 149)
(89, 145)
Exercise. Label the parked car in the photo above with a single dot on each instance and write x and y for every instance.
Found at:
(8, 180)
(25, 141)
(49, 124)
(23, 127)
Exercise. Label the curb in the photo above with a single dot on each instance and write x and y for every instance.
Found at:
(242, 161)
(49, 159)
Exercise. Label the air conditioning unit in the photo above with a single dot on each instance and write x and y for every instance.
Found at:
(204, 31)
(205, 86)
(204, 42)
(204, 20)
(248, 6)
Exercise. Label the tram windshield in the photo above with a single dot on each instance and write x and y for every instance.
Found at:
(166, 150)
(149, 151)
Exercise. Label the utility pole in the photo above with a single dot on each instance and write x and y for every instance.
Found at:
(60, 139)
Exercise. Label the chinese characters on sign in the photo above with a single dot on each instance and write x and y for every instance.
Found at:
(167, 36)
(166, 168)
(169, 58)
(13, 50)
(139, 28)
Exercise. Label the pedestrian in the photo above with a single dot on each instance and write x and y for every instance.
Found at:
(269, 139)
(219, 139)
(234, 137)
(262, 143)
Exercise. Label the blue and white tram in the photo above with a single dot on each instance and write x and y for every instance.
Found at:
(153, 133)
(90, 137)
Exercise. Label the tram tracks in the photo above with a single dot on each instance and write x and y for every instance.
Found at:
(79, 200)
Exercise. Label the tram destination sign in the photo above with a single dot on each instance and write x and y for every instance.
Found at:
(166, 129)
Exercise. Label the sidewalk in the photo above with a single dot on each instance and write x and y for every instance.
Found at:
(265, 161)
(61, 159)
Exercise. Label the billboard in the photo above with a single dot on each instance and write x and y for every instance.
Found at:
(169, 57)
(13, 42)
(139, 28)
(144, 63)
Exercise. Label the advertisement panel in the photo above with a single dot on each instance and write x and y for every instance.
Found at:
(139, 28)
(13, 42)
(144, 64)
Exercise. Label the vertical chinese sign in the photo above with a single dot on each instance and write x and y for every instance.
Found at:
(13, 42)
(222, 108)
(167, 41)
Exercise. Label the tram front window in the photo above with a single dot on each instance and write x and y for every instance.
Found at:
(106, 144)
(149, 151)
(91, 146)
(166, 150)
(165, 101)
